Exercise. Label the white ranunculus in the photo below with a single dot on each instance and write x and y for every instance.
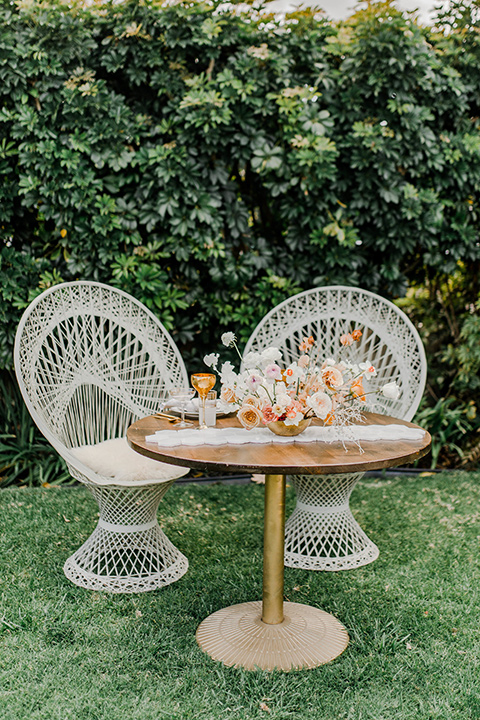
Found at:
(251, 360)
(270, 355)
(228, 338)
(211, 360)
(283, 400)
(280, 388)
(391, 391)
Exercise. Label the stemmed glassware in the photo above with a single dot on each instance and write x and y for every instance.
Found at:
(182, 395)
(203, 383)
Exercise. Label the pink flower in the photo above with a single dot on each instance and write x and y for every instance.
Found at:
(269, 415)
(253, 380)
(303, 361)
(273, 372)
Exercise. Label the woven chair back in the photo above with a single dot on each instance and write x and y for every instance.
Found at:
(389, 340)
(90, 360)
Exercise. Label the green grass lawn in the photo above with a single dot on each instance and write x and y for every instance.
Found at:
(413, 616)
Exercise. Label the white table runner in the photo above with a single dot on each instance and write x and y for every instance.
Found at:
(262, 436)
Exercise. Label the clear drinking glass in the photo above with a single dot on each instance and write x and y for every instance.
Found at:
(211, 408)
(182, 395)
(203, 383)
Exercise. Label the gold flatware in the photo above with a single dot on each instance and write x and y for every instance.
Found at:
(166, 416)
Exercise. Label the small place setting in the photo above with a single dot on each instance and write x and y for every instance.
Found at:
(181, 405)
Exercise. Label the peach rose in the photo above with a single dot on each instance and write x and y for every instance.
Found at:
(228, 395)
(332, 377)
(249, 416)
(346, 339)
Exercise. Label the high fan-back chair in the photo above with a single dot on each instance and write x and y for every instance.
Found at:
(90, 360)
(322, 533)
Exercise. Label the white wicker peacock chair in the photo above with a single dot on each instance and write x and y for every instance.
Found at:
(321, 533)
(90, 360)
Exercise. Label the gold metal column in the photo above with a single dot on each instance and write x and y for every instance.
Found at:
(273, 549)
(272, 634)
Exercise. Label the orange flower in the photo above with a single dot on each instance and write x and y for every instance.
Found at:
(356, 334)
(357, 390)
(306, 344)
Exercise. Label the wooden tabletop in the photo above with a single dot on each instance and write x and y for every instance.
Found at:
(315, 458)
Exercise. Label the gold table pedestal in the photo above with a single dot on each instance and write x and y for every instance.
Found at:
(237, 636)
(272, 634)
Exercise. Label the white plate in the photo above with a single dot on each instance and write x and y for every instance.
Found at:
(192, 415)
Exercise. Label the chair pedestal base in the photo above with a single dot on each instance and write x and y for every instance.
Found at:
(321, 533)
(127, 552)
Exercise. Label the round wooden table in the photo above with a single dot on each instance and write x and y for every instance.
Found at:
(269, 633)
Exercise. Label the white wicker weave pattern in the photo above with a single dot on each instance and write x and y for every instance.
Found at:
(90, 360)
(321, 533)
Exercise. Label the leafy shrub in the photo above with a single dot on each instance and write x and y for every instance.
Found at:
(26, 458)
(212, 163)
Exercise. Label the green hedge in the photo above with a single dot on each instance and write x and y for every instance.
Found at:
(212, 163)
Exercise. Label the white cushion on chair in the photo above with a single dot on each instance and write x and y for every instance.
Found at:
(115, 459)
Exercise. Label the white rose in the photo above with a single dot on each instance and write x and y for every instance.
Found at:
(321, 404)
(391, 391)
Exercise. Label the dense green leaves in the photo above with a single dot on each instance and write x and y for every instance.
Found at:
(212, 162)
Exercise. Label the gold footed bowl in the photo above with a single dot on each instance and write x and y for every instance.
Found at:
(279, 428)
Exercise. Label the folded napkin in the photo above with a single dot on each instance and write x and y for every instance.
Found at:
(240, 436)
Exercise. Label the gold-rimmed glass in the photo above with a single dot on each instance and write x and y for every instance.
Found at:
(203, 383)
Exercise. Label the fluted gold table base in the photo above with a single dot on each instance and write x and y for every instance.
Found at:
(237, 636)
(272, 633)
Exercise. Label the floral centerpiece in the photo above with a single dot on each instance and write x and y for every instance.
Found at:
(285, 399)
